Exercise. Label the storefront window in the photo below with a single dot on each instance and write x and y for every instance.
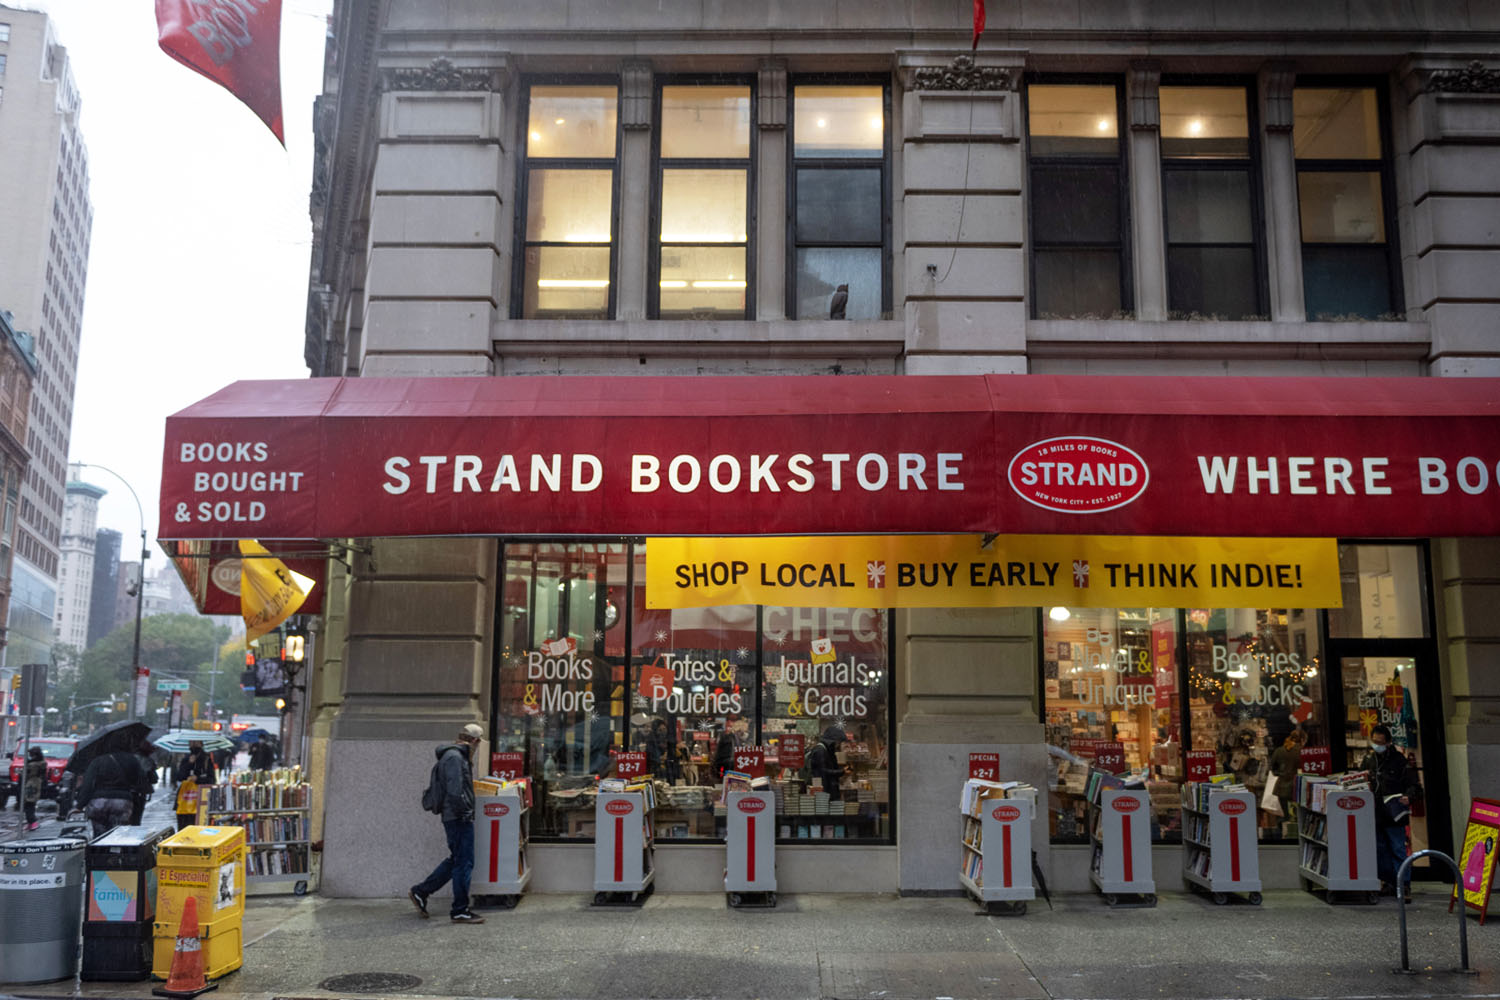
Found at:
(1114, 682)
(1385, 593)
(587, 671)
(1110, 683)
(826, 682)
(561, 674)
(1256, 702)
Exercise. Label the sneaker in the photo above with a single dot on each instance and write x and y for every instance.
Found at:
(34, 826)
(419, 900)
(466, 917)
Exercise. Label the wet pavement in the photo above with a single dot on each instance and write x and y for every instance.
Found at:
(853, 947)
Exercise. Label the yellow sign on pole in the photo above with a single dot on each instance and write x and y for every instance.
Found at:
(962, 571)
(269, 592)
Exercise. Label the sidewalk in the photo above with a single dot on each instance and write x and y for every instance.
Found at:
(849, 947)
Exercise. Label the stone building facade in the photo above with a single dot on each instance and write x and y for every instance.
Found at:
(1046, 203)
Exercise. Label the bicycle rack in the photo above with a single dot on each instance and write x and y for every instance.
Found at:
(1404, 878)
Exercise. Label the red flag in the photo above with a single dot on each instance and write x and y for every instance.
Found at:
(235, 43)
(978, 21)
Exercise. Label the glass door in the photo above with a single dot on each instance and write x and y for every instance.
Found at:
(1384, 690)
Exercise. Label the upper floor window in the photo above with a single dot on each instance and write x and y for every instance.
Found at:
(701, 268)
(1348, 264)
(2, 63)
(839, 227)
(4, 32)
(1210, 187)
(1078, 221)
(569, 180)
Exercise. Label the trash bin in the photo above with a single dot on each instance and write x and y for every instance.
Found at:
(207, 863)
(121, 903)
(41, 899)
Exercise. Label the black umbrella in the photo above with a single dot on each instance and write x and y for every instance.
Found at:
(126, 735)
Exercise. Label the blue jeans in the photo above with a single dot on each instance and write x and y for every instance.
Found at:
(1390, 851)
(458, 865)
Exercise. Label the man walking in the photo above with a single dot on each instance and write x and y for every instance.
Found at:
(456, 780)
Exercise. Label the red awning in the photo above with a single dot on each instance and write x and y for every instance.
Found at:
(332, 458)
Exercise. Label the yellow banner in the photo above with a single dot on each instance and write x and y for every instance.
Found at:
(960, 571)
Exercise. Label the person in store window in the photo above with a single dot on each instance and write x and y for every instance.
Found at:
(1390, 775)
(1285, 761)
(661, 753)
(732, 736)
(823, 761)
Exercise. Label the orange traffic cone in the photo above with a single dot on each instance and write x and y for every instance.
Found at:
(186, 978)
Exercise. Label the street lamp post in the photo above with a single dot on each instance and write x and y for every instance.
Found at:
(140, 588)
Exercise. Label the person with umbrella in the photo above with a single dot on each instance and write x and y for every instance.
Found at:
(262, 755)
(111, 785)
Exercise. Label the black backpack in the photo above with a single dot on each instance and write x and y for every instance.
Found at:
(433, 797)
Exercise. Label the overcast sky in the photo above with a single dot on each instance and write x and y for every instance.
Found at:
(199, 254)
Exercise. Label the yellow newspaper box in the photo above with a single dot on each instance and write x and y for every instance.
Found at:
(219, 940)
(206, 863)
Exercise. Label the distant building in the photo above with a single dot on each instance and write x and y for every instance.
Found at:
(106, 583)
(46, 217)
(166, 594)
(18, 367)
(124, 602)
(75, 578)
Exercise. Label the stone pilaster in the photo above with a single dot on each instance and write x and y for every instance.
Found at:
(964, 222)
(417, 667)
(1452, 193)
(1148, 226)
(771, 230)
(325, 682)
(438, 271)
(1467, 574)
(970, 682)
(636, 240)
(1283, 225)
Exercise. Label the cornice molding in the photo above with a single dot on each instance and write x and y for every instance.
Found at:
(442, 75)
(962, 74)
(1475, 78)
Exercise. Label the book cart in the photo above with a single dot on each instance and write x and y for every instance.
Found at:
(1120, 841)
(274, 808)
(624, 844)
(750, 845)
(501, 869)
(1219, 841)
(1336, 837)
(997, 826)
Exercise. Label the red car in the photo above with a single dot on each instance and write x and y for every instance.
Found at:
(58, 750)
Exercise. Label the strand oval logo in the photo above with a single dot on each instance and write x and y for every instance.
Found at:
(496, 809)
(1351, 802)
(1126, 804)
(1078, 475)
(1232, 807)
(619, 807)
(751, 805)
(1006, 814)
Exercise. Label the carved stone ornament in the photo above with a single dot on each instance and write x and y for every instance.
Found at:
(1474, 78)
(961, 74)
(440, 74)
